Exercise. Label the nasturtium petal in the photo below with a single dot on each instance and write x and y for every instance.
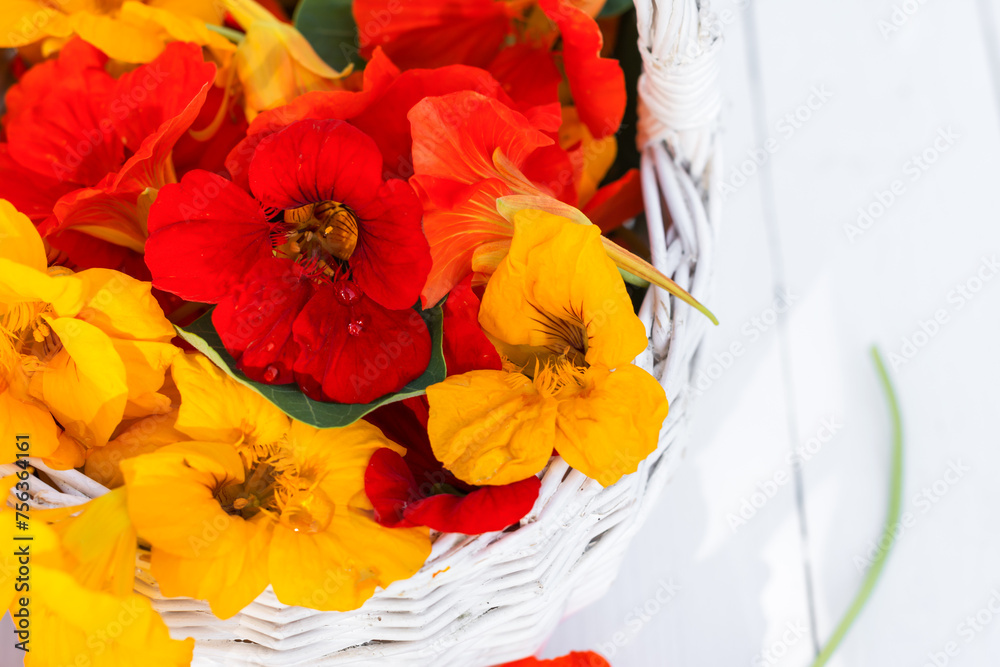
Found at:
(491, 427)
(215, 407)
(341, 567)
(229, 578)
(122, 307)
(68, 619)
(609, 428)
(21, 242)
(84, 385)
(186, 475)
(557, 275)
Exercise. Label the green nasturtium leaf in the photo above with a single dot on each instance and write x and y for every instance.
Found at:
(287, 397)
(329, 27)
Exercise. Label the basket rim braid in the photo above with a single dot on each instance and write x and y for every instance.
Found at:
(487, 599)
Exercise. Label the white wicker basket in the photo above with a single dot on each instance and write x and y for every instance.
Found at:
(497, 597)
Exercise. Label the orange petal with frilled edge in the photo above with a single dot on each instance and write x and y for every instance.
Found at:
(142, 437)
(456, 135)
(467, 151)
(338, 568)
(431, 33)
(84, 384)
(490, 427)
(609, 428)
(338, 458)
(99, 545)
(597, 84)
(215, 407)
(556, 286)
(74, 625)
(123, 307)
(456, 231)
(184, 477)
(228, 581)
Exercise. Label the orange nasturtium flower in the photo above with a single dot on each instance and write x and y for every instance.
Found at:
(274, 62)
(557, 311)
(130, 31)
(82, 349)
(254, 498)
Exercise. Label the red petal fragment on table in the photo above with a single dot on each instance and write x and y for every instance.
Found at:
(255, 320)
(466, 347)
(575, 659)
(616, 202)
(59, 118)
(431, 33)
(205, 234)
(487, 509)
(597, 84)
(354, 350)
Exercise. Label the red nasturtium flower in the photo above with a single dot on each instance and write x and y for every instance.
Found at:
(416, 490)
(315, 275)
(575, 659)
(379, 109)
(86, 152)
(430, 33)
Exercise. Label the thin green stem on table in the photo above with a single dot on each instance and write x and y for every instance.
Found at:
(892, 519)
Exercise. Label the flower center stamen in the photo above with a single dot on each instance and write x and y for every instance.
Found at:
(328, 228)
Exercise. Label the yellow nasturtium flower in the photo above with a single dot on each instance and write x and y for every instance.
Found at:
(253, 498)
(130, 31)
(274, 62)
(82, 349)
(557, 310)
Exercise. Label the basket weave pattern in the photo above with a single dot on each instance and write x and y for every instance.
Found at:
(497, 597)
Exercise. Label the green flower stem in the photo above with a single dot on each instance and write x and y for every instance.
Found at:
(234, 36)
(892, 519)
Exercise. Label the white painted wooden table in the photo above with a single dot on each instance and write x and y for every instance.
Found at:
(847, 105)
